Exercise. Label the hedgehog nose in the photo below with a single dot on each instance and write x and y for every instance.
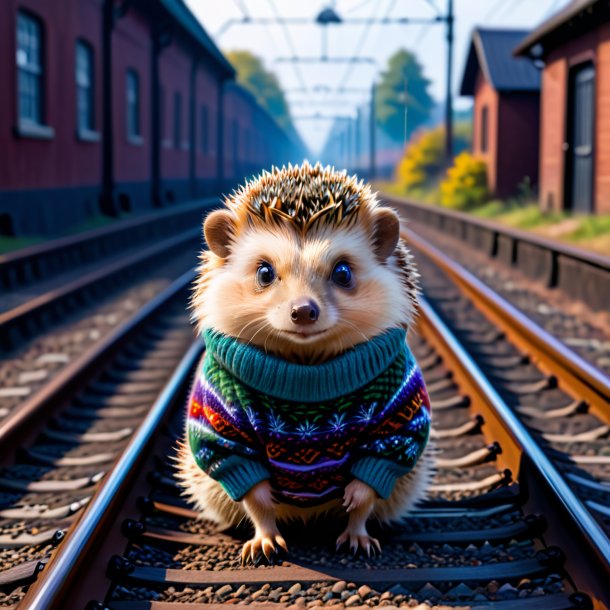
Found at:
(304, 311)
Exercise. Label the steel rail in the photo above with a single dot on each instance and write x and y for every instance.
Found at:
(587, 382)
(51, 587)
(52, 393)
(562, 495)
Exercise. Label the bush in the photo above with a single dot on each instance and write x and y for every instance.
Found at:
(422, 160)
(422, 164)
(465, 184)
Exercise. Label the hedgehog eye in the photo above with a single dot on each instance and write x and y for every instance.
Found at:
(342, 275)
(265, 275)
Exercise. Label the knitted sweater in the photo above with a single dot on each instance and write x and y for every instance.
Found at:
(310, 429)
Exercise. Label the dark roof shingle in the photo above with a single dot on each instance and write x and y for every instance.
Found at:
(492, 52)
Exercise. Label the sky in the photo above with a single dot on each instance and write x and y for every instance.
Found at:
(311, 87)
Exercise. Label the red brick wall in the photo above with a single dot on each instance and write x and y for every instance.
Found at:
(131, 48)
(553, 106)
(518, 141)
(595, 47)
(602, 156)
(175, 74)
(62, 161)
(207, 95)
(486, 95)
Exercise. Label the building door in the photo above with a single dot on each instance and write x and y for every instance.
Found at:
(581, 140)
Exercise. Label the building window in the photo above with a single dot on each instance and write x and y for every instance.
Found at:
(84, 87)
(133, 104)
(484, 128)
(205, 131)
(177, 120)
(29, 68)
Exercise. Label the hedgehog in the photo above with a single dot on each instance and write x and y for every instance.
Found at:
(308, 402)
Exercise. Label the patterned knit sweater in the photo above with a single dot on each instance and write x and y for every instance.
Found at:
(310, 429)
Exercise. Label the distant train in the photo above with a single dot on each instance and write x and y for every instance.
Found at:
(180, 126)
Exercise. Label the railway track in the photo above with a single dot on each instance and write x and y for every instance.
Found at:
(563, 289)
(502, 526)
(576, 272)
(61, 447)
(96, 281)
(43, 284)
(509, 521)
(561, 398)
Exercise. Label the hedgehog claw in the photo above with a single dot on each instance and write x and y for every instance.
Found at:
(262, 546)
(359, 542)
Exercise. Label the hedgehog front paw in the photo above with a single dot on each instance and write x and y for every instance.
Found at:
(262, 545)
(359, 541)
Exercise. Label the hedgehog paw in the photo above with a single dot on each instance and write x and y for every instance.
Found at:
(262, 545)
(359, 542)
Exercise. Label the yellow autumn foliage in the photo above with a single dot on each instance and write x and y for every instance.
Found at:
(422, 160)
(465, 183)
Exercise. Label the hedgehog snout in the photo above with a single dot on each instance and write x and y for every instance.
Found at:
(304, 310)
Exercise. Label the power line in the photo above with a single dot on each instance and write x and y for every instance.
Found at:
(423, 31)
(551, 9)
(353, 9)
(492, 10)
(433, 5)
(361, 42)
(241, 5)
(291, 46)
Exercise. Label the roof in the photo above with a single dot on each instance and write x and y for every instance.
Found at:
(578, 17)
(492, 52)
(185, 18)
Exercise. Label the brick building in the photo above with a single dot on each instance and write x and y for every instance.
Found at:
(573, 50)
(506, 108)
(110, 105)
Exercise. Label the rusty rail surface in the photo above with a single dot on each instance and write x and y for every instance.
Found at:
(581, 274)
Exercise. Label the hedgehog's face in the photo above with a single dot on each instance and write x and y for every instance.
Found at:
(304, 297)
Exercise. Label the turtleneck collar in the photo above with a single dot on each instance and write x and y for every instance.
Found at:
(301, 382)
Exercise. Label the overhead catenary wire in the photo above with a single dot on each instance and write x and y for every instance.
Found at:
(290, 42)
(361, 42)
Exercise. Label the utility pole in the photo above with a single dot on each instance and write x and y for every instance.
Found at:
(449, 99)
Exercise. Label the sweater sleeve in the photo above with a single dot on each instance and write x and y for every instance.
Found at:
(393, 448)
(223, 446)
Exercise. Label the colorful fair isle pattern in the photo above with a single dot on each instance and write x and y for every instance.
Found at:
(309, 450)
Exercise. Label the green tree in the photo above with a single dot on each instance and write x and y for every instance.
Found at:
(264, 85)
(392, 94)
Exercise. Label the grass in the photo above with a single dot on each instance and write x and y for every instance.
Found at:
(10, 244)
(515, 214)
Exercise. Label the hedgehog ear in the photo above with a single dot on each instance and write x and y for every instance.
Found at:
(218, 230)
(386, 232)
